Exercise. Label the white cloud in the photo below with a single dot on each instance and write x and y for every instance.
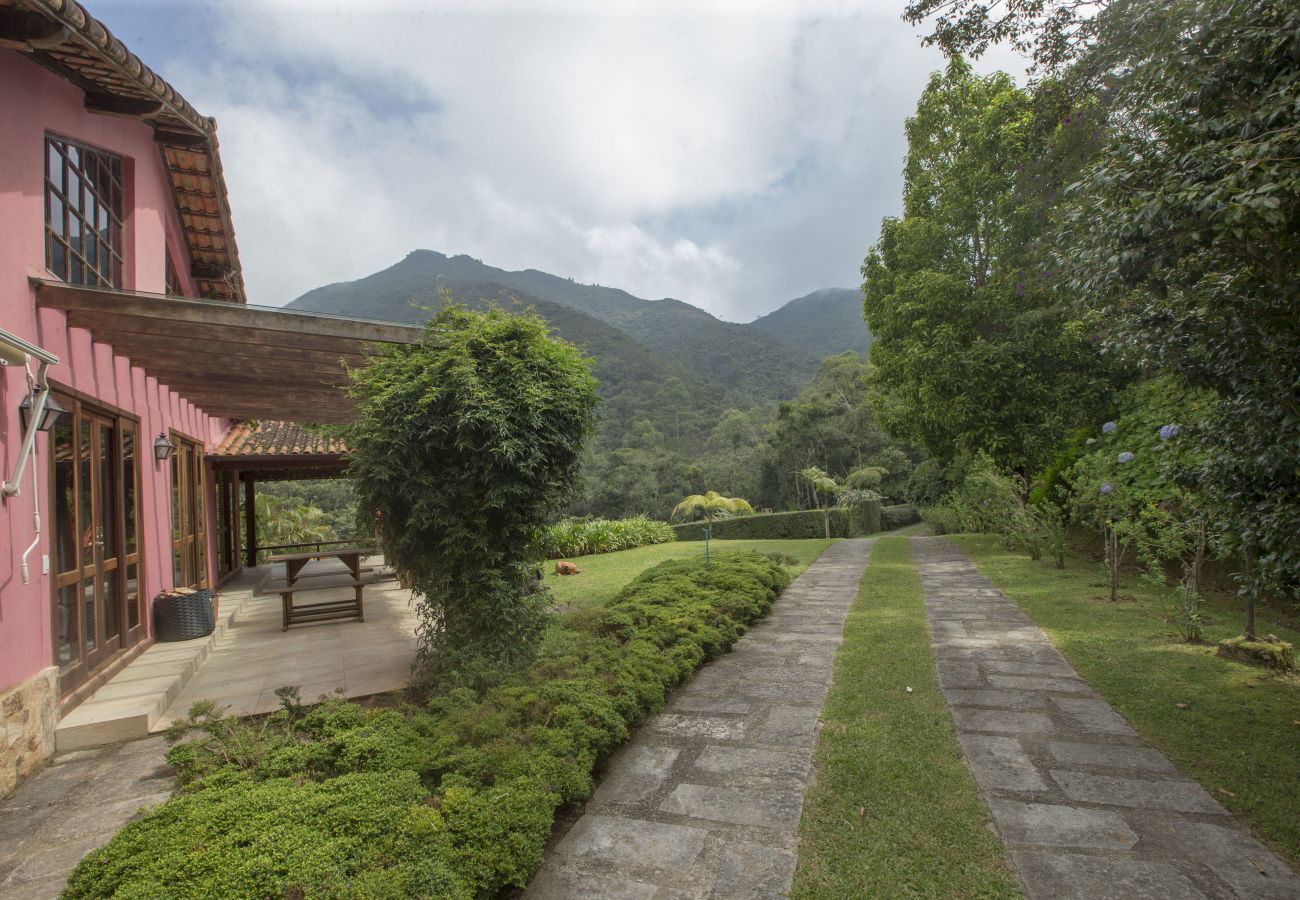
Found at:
(730, 154)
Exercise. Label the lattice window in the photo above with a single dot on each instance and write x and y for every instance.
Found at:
(83, 213)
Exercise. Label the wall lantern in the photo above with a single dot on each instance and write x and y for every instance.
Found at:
(49, 415)
(163, 448)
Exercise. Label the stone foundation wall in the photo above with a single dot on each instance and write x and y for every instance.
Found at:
(29, 713)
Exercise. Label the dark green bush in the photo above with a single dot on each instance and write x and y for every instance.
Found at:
(453, 799)
(899, 516)
(806, 523)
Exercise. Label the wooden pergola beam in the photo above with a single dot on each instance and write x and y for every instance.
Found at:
(133, 344)
(154, 308)
(228, 359)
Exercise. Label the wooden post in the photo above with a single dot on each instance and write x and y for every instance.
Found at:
(250, 518)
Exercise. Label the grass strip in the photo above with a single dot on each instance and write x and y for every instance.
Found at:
(894, 811)
(1233, 727)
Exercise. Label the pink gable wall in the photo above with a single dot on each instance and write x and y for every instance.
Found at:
(36, 101)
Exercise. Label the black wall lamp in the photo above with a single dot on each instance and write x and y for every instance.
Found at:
(163, 448)
(49, 414)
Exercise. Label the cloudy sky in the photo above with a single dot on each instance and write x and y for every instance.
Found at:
(731, 154)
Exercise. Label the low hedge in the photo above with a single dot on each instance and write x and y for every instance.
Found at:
(455, 798)
(898, 516)
(580, 537)
(806, 523)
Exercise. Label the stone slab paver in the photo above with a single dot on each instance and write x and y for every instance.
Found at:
(73, 807)
(1085, 807)
(705, 799)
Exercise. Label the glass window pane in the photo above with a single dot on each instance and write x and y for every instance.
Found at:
(56, 214)
(109, 604)
(88, 613)
(132, 595)
(65, 497)
(107, 491)
(65, 627)
(129, 499)
(74, 190)
(58, 259)
(85, 526)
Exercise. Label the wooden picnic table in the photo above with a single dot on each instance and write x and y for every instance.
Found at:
(328, 609)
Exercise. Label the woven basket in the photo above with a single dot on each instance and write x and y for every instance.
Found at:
(183, 617)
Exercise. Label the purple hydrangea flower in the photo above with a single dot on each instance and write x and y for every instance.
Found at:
(1108, 427)
(1126, 457)
(1107, 487)
(1169, 431)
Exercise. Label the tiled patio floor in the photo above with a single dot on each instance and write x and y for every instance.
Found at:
(248, 657)
(255, 657)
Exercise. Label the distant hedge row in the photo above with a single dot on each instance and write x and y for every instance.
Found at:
(454, 799)
(776, 526)
(899, 516)
(867, 518)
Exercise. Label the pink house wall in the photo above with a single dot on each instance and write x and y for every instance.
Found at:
(35, 102)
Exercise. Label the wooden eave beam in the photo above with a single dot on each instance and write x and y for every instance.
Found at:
(24, 30)
(118, 105)
(188, 140)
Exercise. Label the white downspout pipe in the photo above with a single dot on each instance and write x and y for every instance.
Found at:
(13, 351)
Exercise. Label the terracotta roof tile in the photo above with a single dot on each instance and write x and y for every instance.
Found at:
(267, 438)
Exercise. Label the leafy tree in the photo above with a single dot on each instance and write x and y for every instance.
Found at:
(972, 351)
(736, 435)
(710, 504)
(283, 523)
(825, 487)
(1185, 235)
(466, 443)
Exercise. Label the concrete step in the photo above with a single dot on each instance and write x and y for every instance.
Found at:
(129, 704)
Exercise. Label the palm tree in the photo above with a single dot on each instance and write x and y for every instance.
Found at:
(710, 504)
(826, 487)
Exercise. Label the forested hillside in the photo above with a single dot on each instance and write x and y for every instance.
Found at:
(825, 322)
(689, 402)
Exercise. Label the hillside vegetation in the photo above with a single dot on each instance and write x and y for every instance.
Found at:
(825, 322)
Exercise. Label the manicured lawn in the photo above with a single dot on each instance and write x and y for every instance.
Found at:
(604, 574)
(1234, 728)
(894, 812)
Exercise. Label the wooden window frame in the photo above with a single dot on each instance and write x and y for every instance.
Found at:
(189, 513)
(91, 180)
(108, 647)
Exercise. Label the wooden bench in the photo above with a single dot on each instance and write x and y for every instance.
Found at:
(294, 613)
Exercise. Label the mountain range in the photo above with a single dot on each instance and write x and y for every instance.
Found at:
(644, 349)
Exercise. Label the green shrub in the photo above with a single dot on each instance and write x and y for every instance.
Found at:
(806, 523)
(898, 516)
(580, 537)
(941, 519)
(453, 799)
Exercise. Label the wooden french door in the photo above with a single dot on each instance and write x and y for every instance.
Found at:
(98, 610)
(189, 518)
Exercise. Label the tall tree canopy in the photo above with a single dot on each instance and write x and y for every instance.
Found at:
(1183, 236)
(972, 350)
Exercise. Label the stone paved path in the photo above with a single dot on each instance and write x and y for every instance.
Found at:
(1086, 808)
(73, 807)
(705, 799)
